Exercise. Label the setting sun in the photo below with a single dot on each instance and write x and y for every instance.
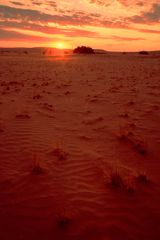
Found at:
(60, 45)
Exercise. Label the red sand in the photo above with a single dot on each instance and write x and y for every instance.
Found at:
(80, 147)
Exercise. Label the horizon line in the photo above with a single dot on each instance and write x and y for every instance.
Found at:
(157, 50)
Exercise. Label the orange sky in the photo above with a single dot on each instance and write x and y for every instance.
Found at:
(117, 25)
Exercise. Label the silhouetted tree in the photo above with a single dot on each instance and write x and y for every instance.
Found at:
(83, 50)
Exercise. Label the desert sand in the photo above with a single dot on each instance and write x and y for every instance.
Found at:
(80, 147)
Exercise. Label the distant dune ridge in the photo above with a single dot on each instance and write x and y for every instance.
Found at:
(79, 145)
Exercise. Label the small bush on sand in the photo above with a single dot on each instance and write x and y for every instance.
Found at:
(144, 53)
(83, 50)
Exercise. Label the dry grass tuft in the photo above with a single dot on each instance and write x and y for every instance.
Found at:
(124, 115)
(59, 153)
(58, 150)
(137, 143)
(37, 166)
(122, 179)
(63, 221)
(142, 178)
(125, 135)
(130, 187)
(1, 127)
(140, 148)
(116, 180)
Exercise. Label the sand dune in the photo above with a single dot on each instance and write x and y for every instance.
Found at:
(79, 147)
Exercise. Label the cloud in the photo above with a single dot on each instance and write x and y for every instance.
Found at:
(137, 3)
(119, 38)
(69, 32)
(154, 14)
(16, 36)
(37, 3)
(99, 2)
(132, 2)
(125, 3)
(14, 18)
(77, 18)
(52, 4)
(104, 3)
(37, 21)
(120, 23)
(11, 13)
(17, 3)
(47, 2)
(151, 16)
(140, 3)
(148, 30)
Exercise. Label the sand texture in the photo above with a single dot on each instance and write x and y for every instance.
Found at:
(80, 147)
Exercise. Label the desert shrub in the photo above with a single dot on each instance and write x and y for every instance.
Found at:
(144, 53)
(83, 50)
(142, 178)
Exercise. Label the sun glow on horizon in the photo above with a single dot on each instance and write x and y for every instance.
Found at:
(60, 45)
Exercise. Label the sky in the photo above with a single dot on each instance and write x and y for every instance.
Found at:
(114, 25)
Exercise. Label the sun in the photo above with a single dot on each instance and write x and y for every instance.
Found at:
(60, 45)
